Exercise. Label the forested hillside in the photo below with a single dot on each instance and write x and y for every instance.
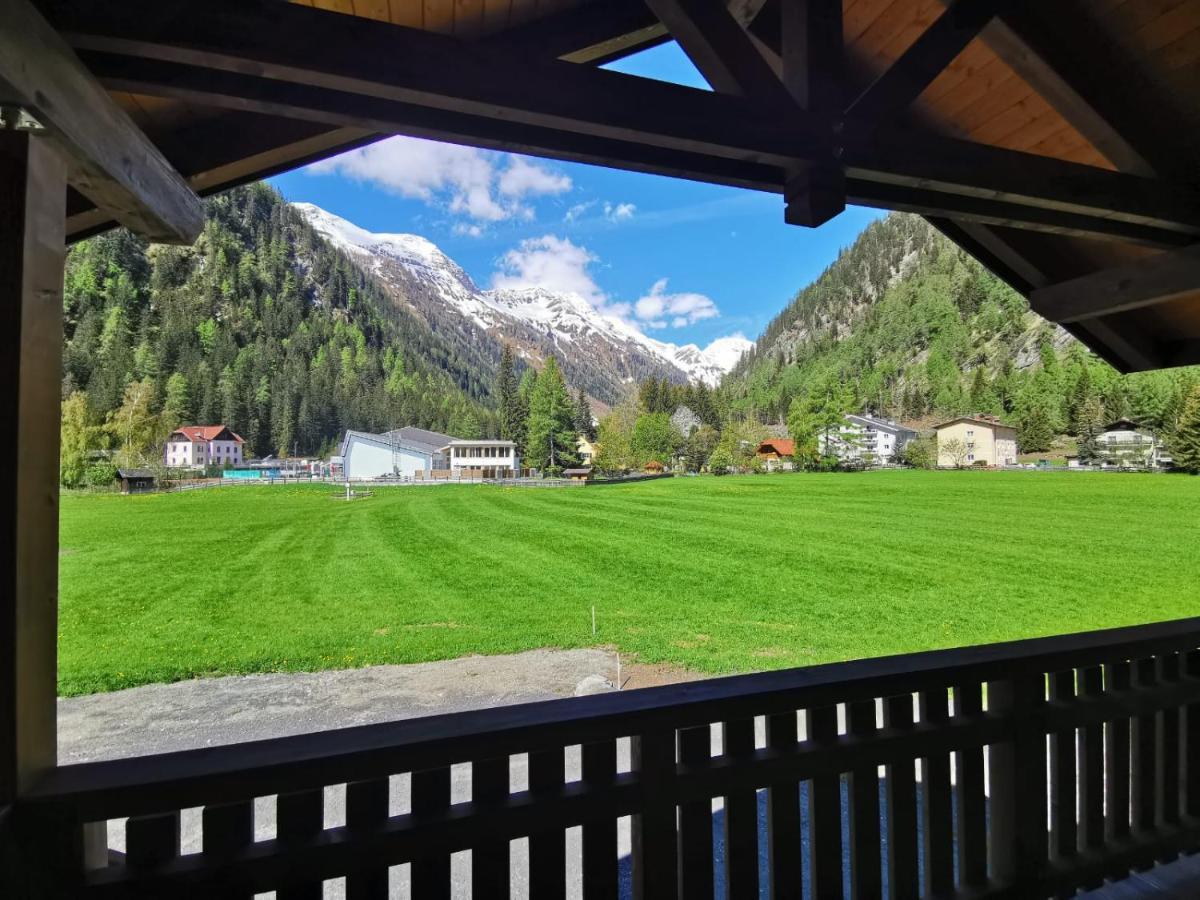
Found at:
(261, 325)
(906, 324)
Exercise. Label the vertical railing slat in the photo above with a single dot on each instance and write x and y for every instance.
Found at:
(366, 812)
(825, 810)
(1091, 769)
(226, 831)
(489, 859)
(1116, 744)
(299, 818)
(655, 855)
(547, 848)
(599, 763)
(151, 840)
(866, 876)
(971, 802)
(741, 815)
(1169, 780)
(1063, 831)
(1017, 839)
(1191, 789)
(784, 869)
(936, 809)
(903, 874)
(1144, 755)
(430, 797)
(695, 820)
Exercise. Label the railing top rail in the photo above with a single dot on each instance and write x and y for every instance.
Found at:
(236, 771)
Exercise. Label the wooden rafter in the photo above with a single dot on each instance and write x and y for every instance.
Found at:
(111, 160)
(1146, 282)
(593, 33)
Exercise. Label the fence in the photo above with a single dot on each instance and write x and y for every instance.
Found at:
(1089, 743)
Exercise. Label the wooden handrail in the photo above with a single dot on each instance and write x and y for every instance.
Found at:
(194, 777)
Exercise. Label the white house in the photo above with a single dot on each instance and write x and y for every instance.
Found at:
(1125, 444)
(867, 439)
(197, 446)
(483, 458)
(367, 456)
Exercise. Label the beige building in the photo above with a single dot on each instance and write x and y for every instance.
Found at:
(976, 440)
(587, 450)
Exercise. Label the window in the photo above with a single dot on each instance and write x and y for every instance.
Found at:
(970, 434)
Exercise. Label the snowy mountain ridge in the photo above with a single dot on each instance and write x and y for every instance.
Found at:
(537, 320)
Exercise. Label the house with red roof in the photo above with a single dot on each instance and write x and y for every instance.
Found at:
(198, 446)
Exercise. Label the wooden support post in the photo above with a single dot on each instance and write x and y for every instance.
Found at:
(1017, 778)
(812, 74)
(32, 215)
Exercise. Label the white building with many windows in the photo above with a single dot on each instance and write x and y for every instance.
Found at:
(1127, 445)
(199, 446)
(867, 440)
(483, 458)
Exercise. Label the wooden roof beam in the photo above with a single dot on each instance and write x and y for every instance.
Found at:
(1156, 279)
(1096, 86)
(902, 83)
(110, 159)
(813, 63)
(595, 33)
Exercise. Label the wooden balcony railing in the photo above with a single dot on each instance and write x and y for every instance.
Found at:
(1045, 766)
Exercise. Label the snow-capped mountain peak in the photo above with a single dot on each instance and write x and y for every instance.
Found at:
(595, 349)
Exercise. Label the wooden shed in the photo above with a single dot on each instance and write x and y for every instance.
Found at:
(135, 481)
(1055, 140)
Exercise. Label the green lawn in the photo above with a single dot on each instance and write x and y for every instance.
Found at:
(719, 574)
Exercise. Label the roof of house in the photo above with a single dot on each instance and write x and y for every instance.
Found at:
(382, 440)
(885, 424)
(987, 421)
(581, 470)
(1056, 142)
(1125, 425)
(782, 446)
(206, 433)
(430, 441)
(135, 473)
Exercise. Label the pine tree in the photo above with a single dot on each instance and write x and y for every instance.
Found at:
(1035, 433)
(583, 417)
(1090, 422)
(510, 399)
(550, 442)
(1081, 394)
(1185, 442)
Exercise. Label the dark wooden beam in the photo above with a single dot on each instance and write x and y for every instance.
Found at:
(33, 187)
(1097, 86)
(911, 197)
(111, 160)
(720, 48)
(1127, 350)
(812, 54)
(967, 236)
(291, 43)
(952, 166)
(594, 33)
(270, 97)
(1156, 279)
(896, 89)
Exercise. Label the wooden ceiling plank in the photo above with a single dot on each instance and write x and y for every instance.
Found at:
(923, 17)
(438, 16)
(345, 7)
(496, 15)
(591, 33)
(898, 87)
(1096, 86)
(1013, 94)
(468, 18)
(1159, 279)
(373, 9)
(1169, 27)
(410, 13)
(111, 160)
(860, 16)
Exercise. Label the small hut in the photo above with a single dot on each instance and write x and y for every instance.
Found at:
(135, 481)
(654, 467)
(581, 474)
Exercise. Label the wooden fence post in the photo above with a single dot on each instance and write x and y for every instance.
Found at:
(1017, 779)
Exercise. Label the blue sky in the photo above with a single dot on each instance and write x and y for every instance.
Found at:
(686, 262)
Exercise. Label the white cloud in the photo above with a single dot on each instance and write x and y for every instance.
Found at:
(657, 309)
(553, 263)
(467, 181)
(578, 210)
(619, 212)
(468, 230)
(523, 177)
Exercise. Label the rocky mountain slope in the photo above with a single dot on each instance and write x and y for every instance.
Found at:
(598, 353)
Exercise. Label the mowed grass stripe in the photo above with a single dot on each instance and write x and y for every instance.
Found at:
(720, 575)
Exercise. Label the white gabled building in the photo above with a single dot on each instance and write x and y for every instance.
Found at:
(867, 439)
(198, 446)
(394, 454)
(483, 458)
(1127, 445)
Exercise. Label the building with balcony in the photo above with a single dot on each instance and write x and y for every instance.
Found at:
(1125, 444)
(867, 440)
(976, 440)
(483, 458)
